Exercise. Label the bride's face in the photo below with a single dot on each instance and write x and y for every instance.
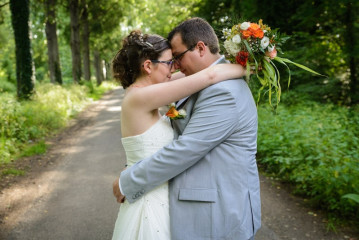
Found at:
(162, 71)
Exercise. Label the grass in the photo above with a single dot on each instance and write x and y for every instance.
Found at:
(12, 171)
(36, 149)
(52, 106)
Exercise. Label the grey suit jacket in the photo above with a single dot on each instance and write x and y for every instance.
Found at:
(211, 167)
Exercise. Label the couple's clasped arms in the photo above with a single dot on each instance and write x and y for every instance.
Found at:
(193, 177)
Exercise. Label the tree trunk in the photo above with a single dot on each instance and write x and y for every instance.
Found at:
(75, 40)
(85, 41)
(98, 68)
(20, 13)
(52, 44)
(108, 70)
(350, 43)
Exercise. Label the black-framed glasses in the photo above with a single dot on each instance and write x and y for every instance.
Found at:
(169, 63)
(179, 57)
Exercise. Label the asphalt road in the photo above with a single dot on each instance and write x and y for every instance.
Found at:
(73, 199)
(78, 201)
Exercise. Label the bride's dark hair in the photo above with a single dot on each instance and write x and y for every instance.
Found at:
(136, 48)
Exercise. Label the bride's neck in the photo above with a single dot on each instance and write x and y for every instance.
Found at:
(142, 82)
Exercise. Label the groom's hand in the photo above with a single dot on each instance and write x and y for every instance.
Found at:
(116, 191)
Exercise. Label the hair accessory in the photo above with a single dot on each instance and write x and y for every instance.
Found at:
(149, 44)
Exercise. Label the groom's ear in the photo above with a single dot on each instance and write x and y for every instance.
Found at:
(201, 48)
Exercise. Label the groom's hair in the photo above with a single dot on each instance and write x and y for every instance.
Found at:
(194, 30)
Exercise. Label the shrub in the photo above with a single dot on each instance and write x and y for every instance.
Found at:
(30, 121)
(316, 148)
(6, 86)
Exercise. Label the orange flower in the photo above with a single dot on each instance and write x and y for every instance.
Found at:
(253, 30)
(258, 33)
(172, 112)
(246, 33)
(254, 26)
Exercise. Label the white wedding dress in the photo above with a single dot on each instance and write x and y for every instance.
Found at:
(148, 217)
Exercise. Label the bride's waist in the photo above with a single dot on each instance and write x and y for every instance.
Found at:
(158, 192)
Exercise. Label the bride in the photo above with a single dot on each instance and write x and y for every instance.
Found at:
(144, 67)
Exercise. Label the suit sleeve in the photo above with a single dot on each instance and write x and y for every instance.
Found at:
(212, 121)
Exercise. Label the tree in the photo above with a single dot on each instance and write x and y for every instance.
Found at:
(98, 67)
(105, 33)
(331, 27)
(75, 40)
(52, 43)
(352, 49)
(20, 13)
(85, 36)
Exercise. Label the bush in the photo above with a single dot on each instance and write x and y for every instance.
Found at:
(6, 86)
(316, 148)
(25, 122)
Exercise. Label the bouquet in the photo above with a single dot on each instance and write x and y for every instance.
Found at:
(256, 46)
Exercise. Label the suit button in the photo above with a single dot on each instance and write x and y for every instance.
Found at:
(142, 191)
(133, 196)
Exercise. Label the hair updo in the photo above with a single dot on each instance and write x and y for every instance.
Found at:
(136, 48)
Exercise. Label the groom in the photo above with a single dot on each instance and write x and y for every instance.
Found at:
(211, 165)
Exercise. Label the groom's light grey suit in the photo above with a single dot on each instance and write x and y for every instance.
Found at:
(211, 167)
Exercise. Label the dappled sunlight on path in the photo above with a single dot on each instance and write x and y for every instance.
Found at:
(71, 198)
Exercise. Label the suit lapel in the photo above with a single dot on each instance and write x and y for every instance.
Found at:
(182, 103)
(180, 124)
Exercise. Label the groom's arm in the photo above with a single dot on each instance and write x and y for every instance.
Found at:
(214, 118)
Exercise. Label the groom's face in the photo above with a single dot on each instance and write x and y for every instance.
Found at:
(184, 56)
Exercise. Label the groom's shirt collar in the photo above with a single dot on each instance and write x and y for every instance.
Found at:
(218, 60)
(214, 63)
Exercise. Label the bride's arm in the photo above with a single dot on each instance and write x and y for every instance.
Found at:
(177, 75)
(157, 95)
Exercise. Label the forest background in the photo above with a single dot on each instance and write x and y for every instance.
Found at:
(55, 58)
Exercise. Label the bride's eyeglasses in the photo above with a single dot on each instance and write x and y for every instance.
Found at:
(169, 63)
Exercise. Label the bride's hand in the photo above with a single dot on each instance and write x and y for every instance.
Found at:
(116, 191)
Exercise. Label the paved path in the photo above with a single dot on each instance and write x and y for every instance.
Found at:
(73, 199)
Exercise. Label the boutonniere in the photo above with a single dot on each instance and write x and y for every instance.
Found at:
(174, 114)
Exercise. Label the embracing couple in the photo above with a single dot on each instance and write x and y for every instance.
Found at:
(193, 177)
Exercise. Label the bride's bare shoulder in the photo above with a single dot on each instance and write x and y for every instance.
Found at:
(131, 94)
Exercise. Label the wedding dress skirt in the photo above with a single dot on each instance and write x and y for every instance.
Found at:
(148, 217)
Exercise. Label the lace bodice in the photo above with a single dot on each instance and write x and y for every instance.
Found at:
(146, 144)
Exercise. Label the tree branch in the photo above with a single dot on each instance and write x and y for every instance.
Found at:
(3, 5)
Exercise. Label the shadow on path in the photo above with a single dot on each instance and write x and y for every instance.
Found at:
(73, 199)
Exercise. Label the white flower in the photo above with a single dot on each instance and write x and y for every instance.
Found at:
(231, 47)
(172, 105)
(182, 112)
(236, 39)
(264, 42)
(271, 48)
(245, 25)
(227, 32)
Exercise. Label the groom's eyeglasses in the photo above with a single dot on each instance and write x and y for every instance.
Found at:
(179, 57)
(169, 63)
